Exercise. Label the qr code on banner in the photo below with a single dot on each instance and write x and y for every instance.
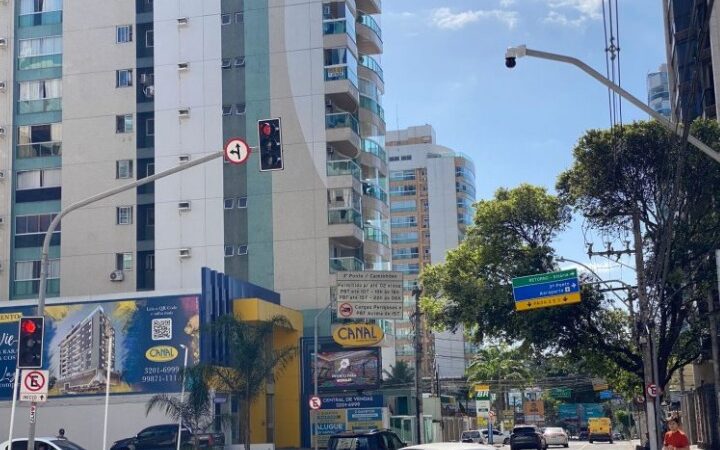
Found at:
(161, 329)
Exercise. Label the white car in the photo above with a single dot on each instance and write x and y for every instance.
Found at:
(499, 437)
(42, 443)
(473, 436)
(556, 436)
(450, 446)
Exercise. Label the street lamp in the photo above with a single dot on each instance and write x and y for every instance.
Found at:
(182, 395)
(513, 53)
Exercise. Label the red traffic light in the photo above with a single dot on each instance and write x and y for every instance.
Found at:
(266, 129)
(28, 326)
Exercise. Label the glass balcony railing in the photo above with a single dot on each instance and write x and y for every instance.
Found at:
(341, 120)
(344, 167)
(369, 22)
(40, 62)
(345, 216)
(374, 190)
(39, 149)
(370, 146)
(348, 263)
(40, 18)
(373, 106)
(341, 73)
(339, 26)
(377, 235)
(37, 106)
(370, 63)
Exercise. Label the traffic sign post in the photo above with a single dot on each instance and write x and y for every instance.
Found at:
(315, 402)
(237, 151)
(546, 290)
(653, 390)
(491, 421)
(34, 386)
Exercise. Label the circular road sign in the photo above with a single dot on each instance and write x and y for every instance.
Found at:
(34, 381)
(236, 151)
(315, 402)
(653, 390)
(345, 309)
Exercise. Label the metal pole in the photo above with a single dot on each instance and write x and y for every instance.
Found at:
(646, 334)
(108, 360)
(417, 290)
(44, 265)
(12, 408)
(672, 126)
(315, 369)
(714, 336)
(182, 396)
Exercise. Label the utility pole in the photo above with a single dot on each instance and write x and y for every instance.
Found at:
(417, 290)
(714, 337)
(645, 336)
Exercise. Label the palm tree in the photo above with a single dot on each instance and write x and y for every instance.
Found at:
(195, 410)
(499, 366)
(400, 373)
(251, 362)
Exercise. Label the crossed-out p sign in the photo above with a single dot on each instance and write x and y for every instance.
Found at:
(34, 385)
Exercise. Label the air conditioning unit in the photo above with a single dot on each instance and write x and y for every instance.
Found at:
(3, 86)
(3, 42)
(184, 205)
(117, 275)
(182, 21)
(183, 66)
(184, 112)
(184, 252)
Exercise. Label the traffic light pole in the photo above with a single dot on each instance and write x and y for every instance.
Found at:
(417, 290)
(56, 221)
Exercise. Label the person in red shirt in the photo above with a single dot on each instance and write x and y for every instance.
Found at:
(675, 439)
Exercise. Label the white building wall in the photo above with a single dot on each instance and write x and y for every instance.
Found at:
(7, 19)
(198, 89)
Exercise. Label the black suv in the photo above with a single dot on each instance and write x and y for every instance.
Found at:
(527, 436)
(365, 440)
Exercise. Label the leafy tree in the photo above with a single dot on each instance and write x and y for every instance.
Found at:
(501, 367)
(399, 374)
(251, 362)
(194, 410)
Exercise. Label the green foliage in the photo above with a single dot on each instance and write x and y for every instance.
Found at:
(400, 374)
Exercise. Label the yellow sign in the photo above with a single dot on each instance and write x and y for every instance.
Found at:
(558, 300)
(10, 317)
(358, 334)
(481, 387)
(161, 353)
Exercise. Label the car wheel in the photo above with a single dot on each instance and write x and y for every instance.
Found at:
(591, 441)
(611, 441)
(566, 445)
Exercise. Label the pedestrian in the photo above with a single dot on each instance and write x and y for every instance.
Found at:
(675, 438)
(61, 433)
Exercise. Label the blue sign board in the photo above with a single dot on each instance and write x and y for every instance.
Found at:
(606, 395)
(364, 414)
(351, 401)
(546, 289)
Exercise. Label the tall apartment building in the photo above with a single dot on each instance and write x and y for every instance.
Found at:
(658, 91)
(432, 189)
(97, 94)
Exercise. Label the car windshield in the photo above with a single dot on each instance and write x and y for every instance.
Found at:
(524, 430)
(349, 443)
(554, 430)
(471, 434)
(64, 444)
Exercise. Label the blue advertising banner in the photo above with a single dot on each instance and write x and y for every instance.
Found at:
(145, 353)
(606, 395)
(364, 414)
(580, 411)
(351, 401)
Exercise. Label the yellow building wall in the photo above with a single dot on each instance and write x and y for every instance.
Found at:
(287, 383)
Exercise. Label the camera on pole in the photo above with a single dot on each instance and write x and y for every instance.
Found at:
(30, 342)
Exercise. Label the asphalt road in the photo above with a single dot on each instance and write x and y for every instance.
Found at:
(585, 445)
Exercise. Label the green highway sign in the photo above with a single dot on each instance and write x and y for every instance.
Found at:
(543, 278)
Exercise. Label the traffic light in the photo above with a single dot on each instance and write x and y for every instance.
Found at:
(270, 143)
(30, 342)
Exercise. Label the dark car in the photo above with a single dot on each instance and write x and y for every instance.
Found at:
(365, 440)
(583, 436)
(527, 436)
(164, 437)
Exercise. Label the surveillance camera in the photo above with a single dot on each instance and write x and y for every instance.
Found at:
(510, 62)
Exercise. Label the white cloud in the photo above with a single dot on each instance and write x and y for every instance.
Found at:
(506, 3)
(557, 18)
(445, 19)
(573, 13)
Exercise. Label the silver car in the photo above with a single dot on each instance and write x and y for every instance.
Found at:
(556, 436)
(474, 436)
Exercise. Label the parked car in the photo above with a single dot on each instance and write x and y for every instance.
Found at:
(527, 436)
(499, 437)
(365, 440)
(42, 443)
(165, 436)
(583, 436)
(473, 436)
(450, 446)
(556, 436)
(618, 436)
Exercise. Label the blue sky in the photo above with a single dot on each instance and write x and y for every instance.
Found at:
(444, 65)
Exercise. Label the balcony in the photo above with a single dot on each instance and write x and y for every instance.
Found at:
(343, 167)
(375, 191)
(369, 36)
(373, 155)
(377, 235)
(343, 133)
(341, 87)
(38, 106)
(369, 6)
(345, 216)
(40, 62)
(371, 70)
(39, 150)
(372, 112)
(41, 18)
(346, 264)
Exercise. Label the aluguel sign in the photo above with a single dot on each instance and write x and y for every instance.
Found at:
(357, 334)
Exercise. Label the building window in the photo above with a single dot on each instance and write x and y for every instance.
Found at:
(37, 224)
(229, 203)
(226, 110)
(39, 140)
(240, 61)
(225, 19)
(124, 168)
(149, 262)
(242, 202)
(30, 270)
(124, 123)
(123, 261)
(405, 157)
(229, 250)
(226, 63)
(150, 127)
(239, 17)
(123, 78)
(150, 38)
(123, 34)
(36, 179)
(242, 250)
(394, 158)
(240, 109)
(40, 89)
(124, 215)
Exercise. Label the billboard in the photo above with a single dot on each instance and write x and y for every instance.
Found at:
(348, 369)
(138, 338)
